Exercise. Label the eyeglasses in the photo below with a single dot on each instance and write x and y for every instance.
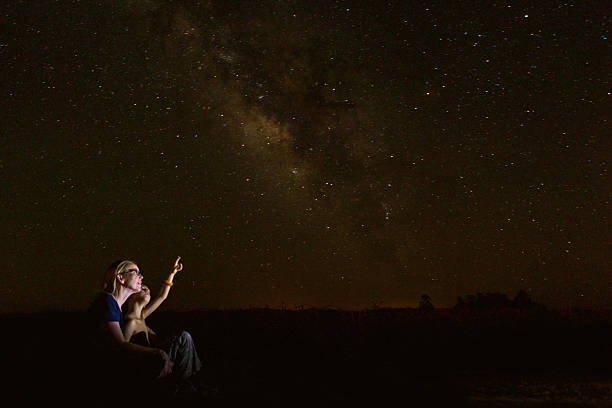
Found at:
(136, 271)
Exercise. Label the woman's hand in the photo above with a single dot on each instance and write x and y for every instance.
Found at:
(178, 266)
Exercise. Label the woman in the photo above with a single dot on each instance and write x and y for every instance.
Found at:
(180, 347)
(121, 280)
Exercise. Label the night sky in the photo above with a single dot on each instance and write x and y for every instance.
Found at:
(312, 153)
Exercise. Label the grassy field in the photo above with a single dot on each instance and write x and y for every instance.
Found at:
(379, 357)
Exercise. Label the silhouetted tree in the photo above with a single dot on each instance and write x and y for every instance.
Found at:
(523, 301)
(495, 300)
(425, 303)
(461, 304)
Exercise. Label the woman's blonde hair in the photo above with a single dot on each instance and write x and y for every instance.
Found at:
(109, 282)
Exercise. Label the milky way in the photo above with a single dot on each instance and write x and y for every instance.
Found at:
(306, 153)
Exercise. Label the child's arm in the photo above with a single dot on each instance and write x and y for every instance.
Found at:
(163, 291)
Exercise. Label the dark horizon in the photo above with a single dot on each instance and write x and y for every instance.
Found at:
(535, 308)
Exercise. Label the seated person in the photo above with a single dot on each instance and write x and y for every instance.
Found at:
(122, 279)
(179, 347)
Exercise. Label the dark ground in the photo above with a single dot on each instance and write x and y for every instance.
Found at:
(383, 357)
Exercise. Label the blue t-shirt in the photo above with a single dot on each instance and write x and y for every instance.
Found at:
(105, 309)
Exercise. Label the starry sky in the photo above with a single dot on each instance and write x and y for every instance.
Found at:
(344, 154)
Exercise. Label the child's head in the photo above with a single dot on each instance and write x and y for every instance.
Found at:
(140, 298)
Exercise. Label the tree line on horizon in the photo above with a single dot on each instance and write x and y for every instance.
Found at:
(485, 301)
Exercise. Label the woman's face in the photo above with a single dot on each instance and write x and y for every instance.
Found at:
(132, 278)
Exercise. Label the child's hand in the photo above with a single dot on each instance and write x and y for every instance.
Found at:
(178, 266)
